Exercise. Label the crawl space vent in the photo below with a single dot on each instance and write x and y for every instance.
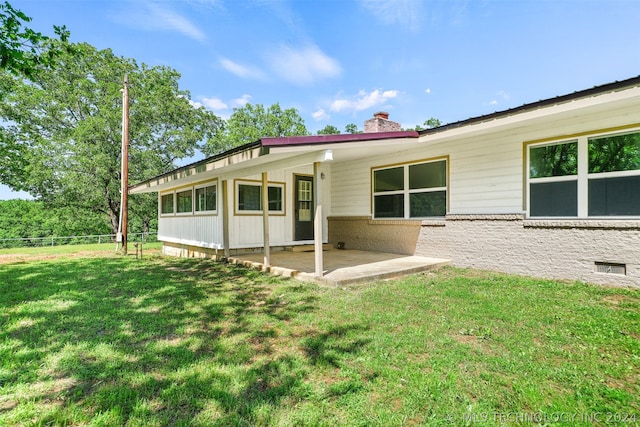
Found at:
(611, 268)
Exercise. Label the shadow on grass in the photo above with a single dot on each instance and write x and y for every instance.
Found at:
(116, 340)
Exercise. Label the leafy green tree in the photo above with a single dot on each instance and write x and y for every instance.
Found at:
(352, 128)
(252, 122)
(329, 130)
(20, 47)
(31, 218)
(430, 123)
(64, 127)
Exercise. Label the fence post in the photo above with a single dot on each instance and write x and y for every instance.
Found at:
(51, 240)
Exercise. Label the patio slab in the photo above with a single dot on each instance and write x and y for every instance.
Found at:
(342, 267)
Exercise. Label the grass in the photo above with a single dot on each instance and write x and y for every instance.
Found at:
(112, 340)
(74, 249)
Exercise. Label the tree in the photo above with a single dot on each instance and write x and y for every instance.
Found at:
(20, 47)
(31, 218)
(430, 123)
(329, 130)
(252, 122)
(65, 124)
(352, 128)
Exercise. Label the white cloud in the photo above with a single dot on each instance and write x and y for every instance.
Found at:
(303, 66)
(206, 3)
(214, 103)
(320, 115)
(210, 103)
(427, 90)
(162, 18)
(242, 101)
(406, 13)
(504, 95)
(363, 100)
(501, 96)
(241, 70)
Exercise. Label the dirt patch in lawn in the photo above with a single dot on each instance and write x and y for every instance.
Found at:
(16, 258)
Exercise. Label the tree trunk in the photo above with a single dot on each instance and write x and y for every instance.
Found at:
(114, 216)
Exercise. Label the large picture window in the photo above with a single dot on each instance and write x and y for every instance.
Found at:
(591, 176)
(417, 190)
(249, 197)
(206, 198)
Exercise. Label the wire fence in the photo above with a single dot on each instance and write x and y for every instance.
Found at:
(74, 240)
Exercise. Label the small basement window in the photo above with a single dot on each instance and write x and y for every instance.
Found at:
(611, 268)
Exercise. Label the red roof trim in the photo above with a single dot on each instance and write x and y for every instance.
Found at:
(333, 139)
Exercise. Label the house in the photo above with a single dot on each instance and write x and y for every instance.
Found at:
(548, 189)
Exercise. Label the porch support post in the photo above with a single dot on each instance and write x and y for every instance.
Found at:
(225, 218)
(317, 220)
(265, 220)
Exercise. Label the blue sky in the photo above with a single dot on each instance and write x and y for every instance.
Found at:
(339, 61)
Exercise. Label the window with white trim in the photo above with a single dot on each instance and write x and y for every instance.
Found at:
(416, 190)
(184, 201)
(206, 198)
(249, 197)
(166, 204)
(591, 176)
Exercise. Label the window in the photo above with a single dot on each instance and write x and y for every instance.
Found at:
(416, 190)
(206, 199)
(249, 197)
(614, 175)
(166, 203)
(185, 201)
(597, 176)
(553, 174)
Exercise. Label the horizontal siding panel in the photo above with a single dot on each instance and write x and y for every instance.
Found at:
(198, 230)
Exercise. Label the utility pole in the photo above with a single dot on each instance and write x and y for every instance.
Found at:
(124, 192)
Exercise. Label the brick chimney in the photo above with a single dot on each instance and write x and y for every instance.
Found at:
(381, 123)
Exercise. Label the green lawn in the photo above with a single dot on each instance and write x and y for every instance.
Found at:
(113, 340)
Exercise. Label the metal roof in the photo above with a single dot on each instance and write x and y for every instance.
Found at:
(596, 90)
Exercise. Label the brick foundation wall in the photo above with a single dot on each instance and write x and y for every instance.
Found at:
(551, 249)
(360, 232)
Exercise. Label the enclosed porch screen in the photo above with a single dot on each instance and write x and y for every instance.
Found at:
(417, 190)
(591, 176)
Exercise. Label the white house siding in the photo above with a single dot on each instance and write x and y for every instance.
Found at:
(351, 180)
(486, 226)
(194, 230)
(245, 231)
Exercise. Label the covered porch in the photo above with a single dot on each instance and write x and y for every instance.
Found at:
(341, 267)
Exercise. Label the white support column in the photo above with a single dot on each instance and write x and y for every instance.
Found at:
(265, 220)
(225, 218)
(318, 220)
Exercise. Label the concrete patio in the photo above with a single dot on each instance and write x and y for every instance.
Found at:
(341, 267)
